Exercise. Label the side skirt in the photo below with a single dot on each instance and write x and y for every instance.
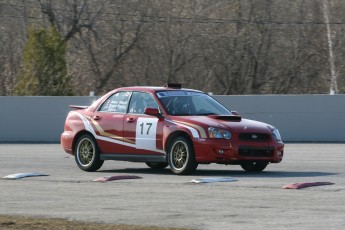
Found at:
(134, 157)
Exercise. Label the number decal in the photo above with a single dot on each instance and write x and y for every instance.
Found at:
(146, 131)
(142, 128)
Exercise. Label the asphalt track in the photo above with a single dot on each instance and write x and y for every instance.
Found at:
(255, 201)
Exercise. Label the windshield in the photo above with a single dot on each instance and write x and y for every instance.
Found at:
(182, 103)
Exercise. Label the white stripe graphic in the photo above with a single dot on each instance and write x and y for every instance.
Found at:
(194, 131)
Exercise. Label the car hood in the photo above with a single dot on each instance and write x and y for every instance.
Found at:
(235, 124)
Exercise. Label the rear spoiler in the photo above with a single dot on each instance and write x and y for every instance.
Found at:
(79, 106)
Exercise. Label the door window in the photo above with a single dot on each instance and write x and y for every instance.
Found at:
(140, 101)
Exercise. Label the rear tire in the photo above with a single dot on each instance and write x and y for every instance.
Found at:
(181, 156)
(157, 165)
(87, 154)
(254, 166)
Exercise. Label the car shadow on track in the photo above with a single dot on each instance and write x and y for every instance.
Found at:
(264, 174)
(139, 171)
(224, 173)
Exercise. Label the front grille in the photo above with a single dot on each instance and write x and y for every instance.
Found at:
(256, 151)
(254, 137)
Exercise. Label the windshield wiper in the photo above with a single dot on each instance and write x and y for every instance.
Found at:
(183, 114)
(206, 114)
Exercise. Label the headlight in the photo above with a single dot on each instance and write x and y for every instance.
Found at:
(218, 133)
(276, 135)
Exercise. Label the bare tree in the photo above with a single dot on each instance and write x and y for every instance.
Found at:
(172, 47)
(70, 17)
(109, 45)
(242, 63)
(223, 46)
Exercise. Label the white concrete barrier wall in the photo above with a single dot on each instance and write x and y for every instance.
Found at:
(300, 118)
(35, 119)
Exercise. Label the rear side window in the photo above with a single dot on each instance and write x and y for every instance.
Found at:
(116, 103)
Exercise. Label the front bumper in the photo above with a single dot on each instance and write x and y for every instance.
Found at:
(227, 151)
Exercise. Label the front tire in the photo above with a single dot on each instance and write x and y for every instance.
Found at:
(254, 166)
(181, 156)
(87, 154)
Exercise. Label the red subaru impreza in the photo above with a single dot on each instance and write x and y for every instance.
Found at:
(167, 126)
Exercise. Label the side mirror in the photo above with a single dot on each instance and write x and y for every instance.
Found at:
(152, 111)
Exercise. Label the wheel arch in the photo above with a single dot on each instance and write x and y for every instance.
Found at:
(175, 134)
(78, 135)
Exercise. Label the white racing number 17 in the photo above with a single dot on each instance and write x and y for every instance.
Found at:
(146, 132)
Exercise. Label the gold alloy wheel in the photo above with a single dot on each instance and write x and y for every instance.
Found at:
(86, 152)
(180, 154)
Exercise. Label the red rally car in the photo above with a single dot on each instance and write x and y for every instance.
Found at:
(167, 126)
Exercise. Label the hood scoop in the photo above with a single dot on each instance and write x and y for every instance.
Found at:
(226, 117)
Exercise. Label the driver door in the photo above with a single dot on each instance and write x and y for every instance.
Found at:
(143, 130)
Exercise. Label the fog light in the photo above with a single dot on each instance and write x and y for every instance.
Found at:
(279, 153)
(221, 151)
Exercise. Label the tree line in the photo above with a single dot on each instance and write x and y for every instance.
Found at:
(74, 47)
